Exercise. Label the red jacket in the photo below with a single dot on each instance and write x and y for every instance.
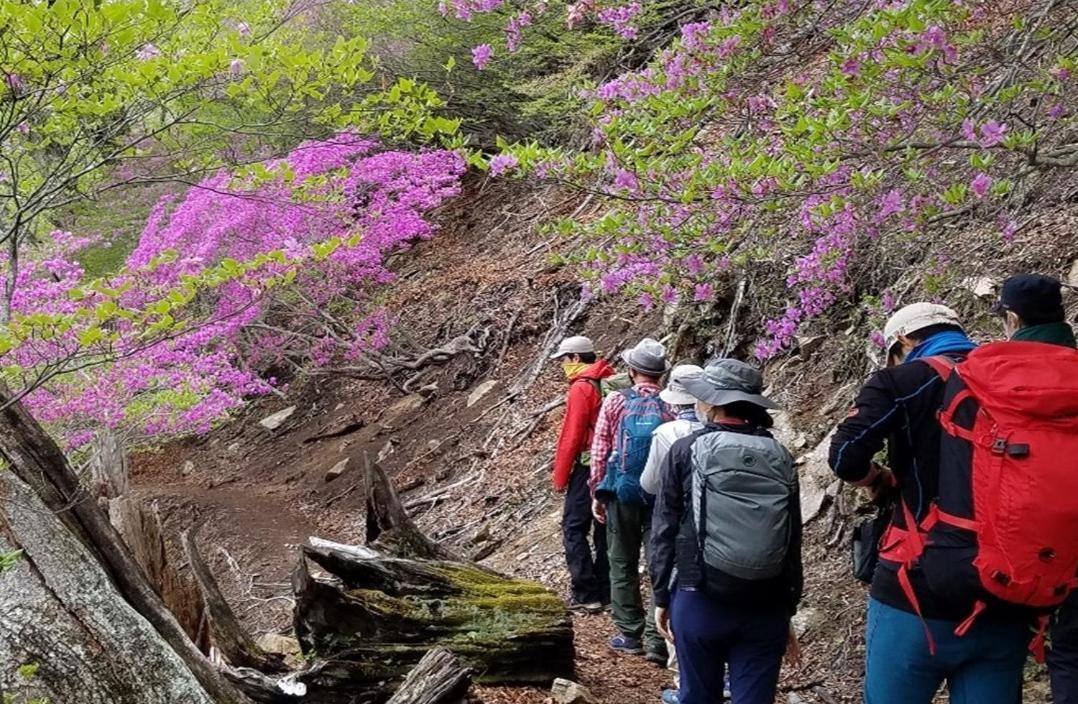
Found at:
(581, 410)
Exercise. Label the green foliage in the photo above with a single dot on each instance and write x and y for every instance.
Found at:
(8, 560)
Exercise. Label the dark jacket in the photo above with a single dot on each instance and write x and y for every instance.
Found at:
(674, 541)
(582, 405)
(897, 407)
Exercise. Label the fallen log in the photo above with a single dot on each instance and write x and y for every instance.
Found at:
(383, 607)
(381, 614)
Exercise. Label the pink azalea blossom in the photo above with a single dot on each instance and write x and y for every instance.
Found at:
(502, 163)
(481, 55)
(980, 185)
(148, 51)
(992, 133)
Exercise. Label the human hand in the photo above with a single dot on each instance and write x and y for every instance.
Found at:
(662, 623)
(879, 483)
(598, 509)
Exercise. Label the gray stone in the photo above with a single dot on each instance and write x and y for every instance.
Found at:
(481, 391)
(337, 470)
(272, 422)
(569, 692)
(388, 449)
(1072, 275)
(981, 286)
(276, 643)
(188, 468)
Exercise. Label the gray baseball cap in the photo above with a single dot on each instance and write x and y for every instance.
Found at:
(726, 381)
(577, 344)
(648, 357)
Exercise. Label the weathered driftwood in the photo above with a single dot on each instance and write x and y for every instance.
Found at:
(231, 638)
(439, 678)
(383, 611)
(36, 460)
(60, 611)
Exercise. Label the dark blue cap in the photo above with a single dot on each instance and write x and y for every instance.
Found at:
(1035, 298)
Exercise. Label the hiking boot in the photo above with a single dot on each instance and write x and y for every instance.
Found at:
(657, 655)
(587, 607)
(670, 696)
(627, 644)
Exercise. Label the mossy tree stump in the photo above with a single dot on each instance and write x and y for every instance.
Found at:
(377, 614)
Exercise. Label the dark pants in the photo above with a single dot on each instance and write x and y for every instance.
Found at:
(709, 636)
(628, 533)
(982, 667)
(1063, 655)
(588, 570)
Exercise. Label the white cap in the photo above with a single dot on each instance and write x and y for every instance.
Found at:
(914, 317)
(574, 345)
(675, 393)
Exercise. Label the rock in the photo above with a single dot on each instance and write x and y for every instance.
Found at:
(980, 286)
(388, 449)
(428, 391)
(272, 422)
(234, 447)
(276, 643)
(806, 620)
(337, 470)
(188, 468)
(481, 391)
(1072, 275)
(817, 480)
(408, 404)
(569, 692)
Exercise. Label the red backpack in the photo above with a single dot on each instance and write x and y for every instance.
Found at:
(1004, 527)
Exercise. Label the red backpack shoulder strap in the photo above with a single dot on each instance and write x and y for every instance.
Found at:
(942, 365)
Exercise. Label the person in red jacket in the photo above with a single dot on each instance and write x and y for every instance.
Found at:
(589, 571)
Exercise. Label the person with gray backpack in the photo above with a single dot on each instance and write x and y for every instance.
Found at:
(726, 542)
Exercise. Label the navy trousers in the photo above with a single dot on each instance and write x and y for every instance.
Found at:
(1063, 655)
(709, 636)
(589, 570)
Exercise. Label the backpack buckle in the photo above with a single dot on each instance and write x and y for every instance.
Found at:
(999, 446)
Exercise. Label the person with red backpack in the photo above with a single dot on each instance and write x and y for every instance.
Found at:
(589, 572)
(1031, 308)
(917, 638)
(619, 453)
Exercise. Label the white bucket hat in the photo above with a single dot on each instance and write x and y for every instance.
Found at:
(675, 393)
(577, 344)
(726, 381)
(914, 317)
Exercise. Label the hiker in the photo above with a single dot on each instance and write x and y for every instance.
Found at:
(911, 641)
(685, 422)
(618, 455)
(589, 572)
(726, 583)
(1031, 308)
(683, 405)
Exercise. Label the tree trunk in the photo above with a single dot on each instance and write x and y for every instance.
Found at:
(36, 459)
(439, 678)
(60, 613)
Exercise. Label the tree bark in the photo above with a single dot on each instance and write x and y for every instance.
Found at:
(439, 678)
(60, 613)
(36, 459)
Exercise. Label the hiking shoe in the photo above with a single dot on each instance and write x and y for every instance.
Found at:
(659, 656)
(587, 607)
(627, 644)
(670, 696)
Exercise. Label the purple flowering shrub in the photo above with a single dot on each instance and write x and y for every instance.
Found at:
(799, 143)
(273, 269)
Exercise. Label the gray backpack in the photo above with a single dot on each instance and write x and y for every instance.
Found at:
(743, 487)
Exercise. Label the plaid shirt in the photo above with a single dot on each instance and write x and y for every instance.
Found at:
(606, 431)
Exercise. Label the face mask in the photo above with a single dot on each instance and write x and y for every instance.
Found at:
(573, 369)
